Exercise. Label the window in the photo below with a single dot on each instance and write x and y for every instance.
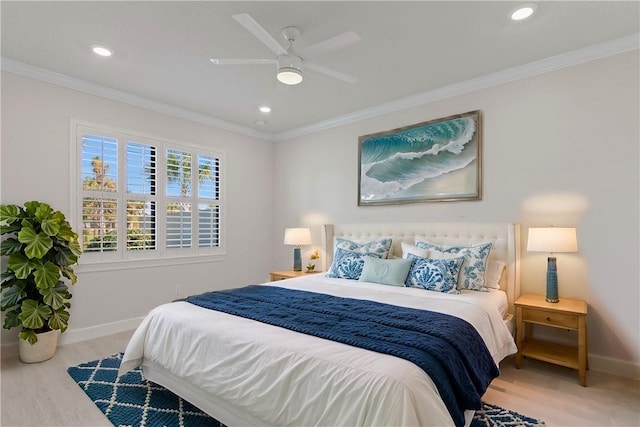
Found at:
(141, 198)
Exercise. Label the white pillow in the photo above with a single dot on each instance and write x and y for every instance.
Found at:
(493, 274)
(410, 249)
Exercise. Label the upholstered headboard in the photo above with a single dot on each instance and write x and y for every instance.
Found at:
(504, 236)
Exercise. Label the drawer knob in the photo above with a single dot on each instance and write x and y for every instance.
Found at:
(548, 319)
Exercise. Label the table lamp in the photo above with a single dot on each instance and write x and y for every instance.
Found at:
(297, 237)
(552, 240)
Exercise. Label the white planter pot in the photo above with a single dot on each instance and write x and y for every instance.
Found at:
(42, 350)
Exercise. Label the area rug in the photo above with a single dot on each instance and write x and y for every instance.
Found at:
(131, 400)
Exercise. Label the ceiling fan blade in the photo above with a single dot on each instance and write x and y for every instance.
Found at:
(331, 73)
(337, 42)
(218, 61)
(260, 33)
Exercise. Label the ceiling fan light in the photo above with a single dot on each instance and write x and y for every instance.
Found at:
(289, 69)
(289, 76)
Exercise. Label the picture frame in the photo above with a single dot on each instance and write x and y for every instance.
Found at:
(434, 161)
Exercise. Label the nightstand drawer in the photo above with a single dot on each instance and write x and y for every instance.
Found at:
(550, 318)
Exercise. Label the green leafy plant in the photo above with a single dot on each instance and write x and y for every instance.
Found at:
(41, 248)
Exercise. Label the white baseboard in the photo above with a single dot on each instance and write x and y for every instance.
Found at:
(71, 336)
(613, 366)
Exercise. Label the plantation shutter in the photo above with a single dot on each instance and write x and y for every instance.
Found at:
(141, 196)
(179, 205)
(208, 201)
(99, 183)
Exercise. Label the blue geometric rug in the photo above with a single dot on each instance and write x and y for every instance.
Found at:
(132, 400)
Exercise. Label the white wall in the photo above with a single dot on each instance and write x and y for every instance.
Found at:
(560, 148)
(35, 162)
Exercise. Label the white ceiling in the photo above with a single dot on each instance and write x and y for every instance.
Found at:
(162, 50)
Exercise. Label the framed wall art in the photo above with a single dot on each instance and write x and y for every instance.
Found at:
(434, 161)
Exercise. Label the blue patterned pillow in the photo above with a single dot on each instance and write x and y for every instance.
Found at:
(474, 266)
(379, 247)
(434, 274)
(348, 264)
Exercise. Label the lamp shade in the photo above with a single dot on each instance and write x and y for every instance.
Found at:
(552, 239)
(297, 236)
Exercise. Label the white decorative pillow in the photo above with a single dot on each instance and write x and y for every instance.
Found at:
(439, 275)
(493, 274)
(379, 247)
(410, 249)
(474, 266)
(347, 264)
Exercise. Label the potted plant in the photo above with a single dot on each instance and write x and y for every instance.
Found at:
(40, 248)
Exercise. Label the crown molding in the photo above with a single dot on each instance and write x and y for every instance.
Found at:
(26, 70)
(553, 63)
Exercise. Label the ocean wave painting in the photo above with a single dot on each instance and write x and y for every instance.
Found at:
(432, 161)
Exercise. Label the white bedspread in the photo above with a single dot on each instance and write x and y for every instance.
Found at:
(282, 377)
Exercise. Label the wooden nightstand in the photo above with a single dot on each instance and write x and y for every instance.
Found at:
(288, 274)
(566, 314)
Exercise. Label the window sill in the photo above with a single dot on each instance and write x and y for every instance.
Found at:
(92, 267)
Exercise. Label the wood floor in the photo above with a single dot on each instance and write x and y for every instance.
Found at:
(43, 394)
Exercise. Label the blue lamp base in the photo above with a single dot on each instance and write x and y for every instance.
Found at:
(297, 260)
(552, 281)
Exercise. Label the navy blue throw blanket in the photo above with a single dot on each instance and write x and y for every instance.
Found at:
(447, 348)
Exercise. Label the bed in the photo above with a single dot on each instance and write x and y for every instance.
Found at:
(245, 372)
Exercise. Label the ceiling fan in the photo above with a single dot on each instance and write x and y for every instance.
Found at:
(289, 62)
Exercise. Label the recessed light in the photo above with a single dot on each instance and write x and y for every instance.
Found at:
(523, 12)
(265, 109)
(261, 123)
(101, 50)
